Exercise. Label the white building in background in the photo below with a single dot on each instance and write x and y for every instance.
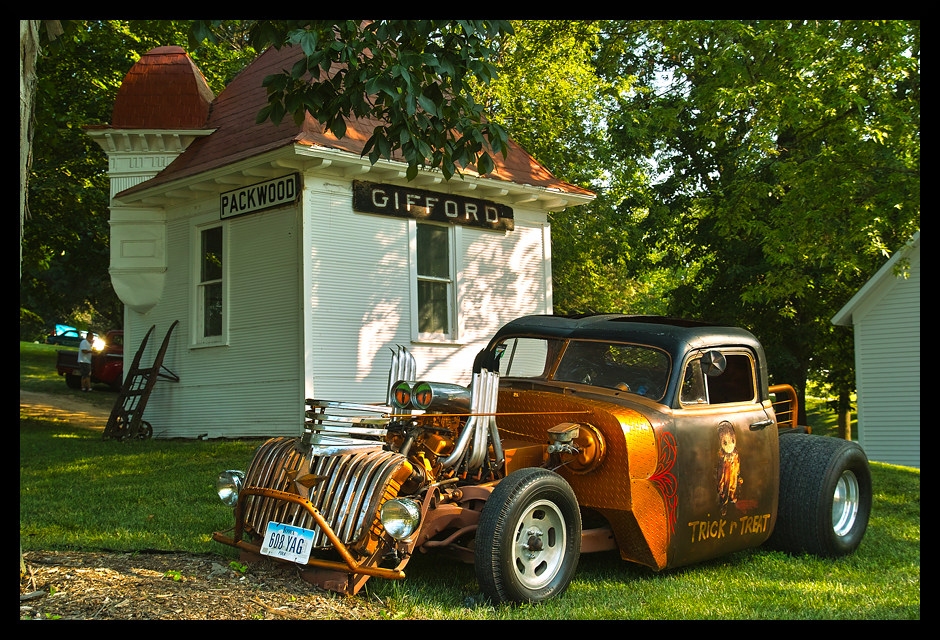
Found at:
(292, 264)
(886, 316)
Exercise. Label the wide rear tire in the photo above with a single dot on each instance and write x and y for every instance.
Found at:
(529, 538)
(825, 496)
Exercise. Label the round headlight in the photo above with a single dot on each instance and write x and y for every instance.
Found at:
(400, 517)
(228, 485)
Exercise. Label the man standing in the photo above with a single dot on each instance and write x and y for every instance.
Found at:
(84, 360)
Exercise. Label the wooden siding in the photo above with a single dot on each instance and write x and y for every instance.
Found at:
(251, 386)
(315, 300)
(360, 302)
(887, 353)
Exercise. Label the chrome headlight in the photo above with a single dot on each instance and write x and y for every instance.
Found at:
(400, 517)
(228, 485)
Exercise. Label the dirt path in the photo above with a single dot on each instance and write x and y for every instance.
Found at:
(34, 404)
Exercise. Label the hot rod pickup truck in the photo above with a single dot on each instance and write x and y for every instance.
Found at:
(655, 437)
(107, 364)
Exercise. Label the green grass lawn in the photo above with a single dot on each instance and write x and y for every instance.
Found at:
(78, 491)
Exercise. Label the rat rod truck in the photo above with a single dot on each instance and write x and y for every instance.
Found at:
(652, 436)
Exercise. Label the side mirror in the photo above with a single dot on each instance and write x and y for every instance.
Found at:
(713, 363)
(486, 360)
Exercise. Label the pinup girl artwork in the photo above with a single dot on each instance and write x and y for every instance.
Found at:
(729, 466)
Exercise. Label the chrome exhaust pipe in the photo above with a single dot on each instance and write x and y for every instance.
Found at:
(480, 429)
(403, 367)
(468, 431)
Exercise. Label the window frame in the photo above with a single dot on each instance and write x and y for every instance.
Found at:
(198, 315)
(451, 283)
(709, 402)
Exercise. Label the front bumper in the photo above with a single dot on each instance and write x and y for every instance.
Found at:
(349, 563)
(336, 492)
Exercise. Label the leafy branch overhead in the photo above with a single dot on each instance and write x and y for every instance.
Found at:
(414, 78)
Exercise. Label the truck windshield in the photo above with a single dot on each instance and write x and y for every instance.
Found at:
(626, 367)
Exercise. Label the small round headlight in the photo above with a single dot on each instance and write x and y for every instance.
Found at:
(228, 485)
(400, 517)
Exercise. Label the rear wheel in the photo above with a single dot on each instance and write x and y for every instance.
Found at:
(529, 537)
(825, 496)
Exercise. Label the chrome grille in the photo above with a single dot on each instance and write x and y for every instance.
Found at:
(349, 487)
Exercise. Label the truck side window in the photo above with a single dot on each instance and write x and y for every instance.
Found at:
(693, 384)
(736, 384)
(523, 357)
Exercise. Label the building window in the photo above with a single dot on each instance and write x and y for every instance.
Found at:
(435, 282)
(210, 288)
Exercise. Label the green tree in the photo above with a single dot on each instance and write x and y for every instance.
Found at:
(413, 76)
(788, 164)
(552, 94)
(64, 271)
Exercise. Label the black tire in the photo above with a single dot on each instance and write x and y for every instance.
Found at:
(825, 496)
(529, 538)
(73, 381)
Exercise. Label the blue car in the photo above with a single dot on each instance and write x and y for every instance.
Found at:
(66, 336)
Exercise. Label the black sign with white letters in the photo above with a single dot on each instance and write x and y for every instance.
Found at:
(261, 196)
(406, 202)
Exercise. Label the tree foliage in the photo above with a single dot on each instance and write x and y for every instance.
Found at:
(66, 235)
(552, 96)
(413, 77)
(787, 163)
(749, 172)
(752, 172)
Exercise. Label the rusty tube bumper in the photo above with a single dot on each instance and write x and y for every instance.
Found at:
(349, 563)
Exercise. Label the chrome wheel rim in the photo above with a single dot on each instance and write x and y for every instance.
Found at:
(845, 503)
(539, 544)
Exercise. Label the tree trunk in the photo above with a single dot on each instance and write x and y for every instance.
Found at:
(845, 416)
(29, 54)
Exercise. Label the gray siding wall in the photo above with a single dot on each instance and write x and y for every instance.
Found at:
(251, 386)
(887, 352)
(316, 297)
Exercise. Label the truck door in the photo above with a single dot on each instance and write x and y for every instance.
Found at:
(726, 458)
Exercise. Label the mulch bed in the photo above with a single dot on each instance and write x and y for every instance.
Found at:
(176, 586)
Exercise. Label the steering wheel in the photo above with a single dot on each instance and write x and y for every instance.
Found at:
(583, 372)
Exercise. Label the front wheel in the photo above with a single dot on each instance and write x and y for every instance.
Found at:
(529, 537)
(825, 496)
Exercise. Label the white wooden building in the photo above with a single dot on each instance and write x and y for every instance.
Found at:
(292, 264)
(886, 316)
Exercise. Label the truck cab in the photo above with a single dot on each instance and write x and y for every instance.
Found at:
(698, 401)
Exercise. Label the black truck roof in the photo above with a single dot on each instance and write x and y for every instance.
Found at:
(675, 335)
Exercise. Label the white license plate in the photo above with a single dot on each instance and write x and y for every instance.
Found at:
(285, 542)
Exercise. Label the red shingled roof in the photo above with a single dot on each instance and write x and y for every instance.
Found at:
(237, 137)
(163, 90)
